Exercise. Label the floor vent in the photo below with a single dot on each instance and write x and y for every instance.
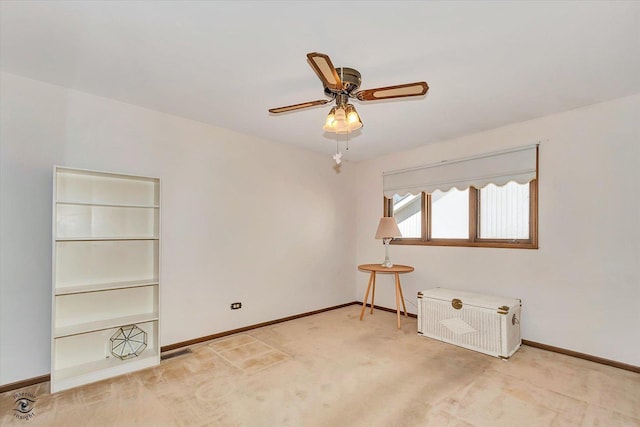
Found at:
(175, 354)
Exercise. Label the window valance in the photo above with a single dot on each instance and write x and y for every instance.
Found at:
(499, 167)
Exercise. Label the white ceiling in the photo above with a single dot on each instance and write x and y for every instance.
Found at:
(225, 63)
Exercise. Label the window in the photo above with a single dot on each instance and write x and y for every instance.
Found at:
(407, 210)
(450, 214)
(488, 200)
(493, 216)
(504, 212)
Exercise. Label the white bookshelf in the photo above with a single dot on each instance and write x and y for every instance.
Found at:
(106, 252)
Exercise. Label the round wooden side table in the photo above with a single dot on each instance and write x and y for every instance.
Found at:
(377, 268)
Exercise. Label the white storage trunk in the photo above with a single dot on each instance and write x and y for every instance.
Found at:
(478, 322)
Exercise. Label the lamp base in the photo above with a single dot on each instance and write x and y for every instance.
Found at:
(387, 263)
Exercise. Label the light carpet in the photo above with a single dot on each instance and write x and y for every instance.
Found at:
(331, 369)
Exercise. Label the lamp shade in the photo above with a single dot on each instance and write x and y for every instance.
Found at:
(387, 228)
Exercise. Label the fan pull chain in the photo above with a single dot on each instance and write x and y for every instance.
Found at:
(338, 156)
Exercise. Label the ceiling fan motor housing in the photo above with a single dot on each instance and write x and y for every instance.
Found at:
(351, 79)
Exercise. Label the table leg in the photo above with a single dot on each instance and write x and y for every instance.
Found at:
(373, 290)
(402, 297)
(397, 298)
(372, 278)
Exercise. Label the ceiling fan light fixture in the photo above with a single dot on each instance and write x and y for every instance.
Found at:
(330, 122)
(353, 119)
(342, 119)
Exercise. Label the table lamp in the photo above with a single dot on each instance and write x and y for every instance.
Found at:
(387, 230)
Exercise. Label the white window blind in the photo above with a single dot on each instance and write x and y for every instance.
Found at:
(499, 167)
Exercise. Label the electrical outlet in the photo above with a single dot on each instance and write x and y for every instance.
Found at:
(236, 305)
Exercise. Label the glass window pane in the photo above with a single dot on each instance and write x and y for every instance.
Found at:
(450, 214)
(504, 211)
(407, 211)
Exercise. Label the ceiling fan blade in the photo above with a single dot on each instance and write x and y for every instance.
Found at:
(325, 70)
(298, 106)
(399, 91)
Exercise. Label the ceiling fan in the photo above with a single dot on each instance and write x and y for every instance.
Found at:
(341, 84)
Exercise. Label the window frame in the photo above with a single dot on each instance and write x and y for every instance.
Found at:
(474, 219)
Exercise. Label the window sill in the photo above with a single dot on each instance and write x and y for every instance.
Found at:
(466, 243)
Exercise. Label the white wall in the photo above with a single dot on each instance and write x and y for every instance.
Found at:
(581, 289)
(230, 232)
(243, 219)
